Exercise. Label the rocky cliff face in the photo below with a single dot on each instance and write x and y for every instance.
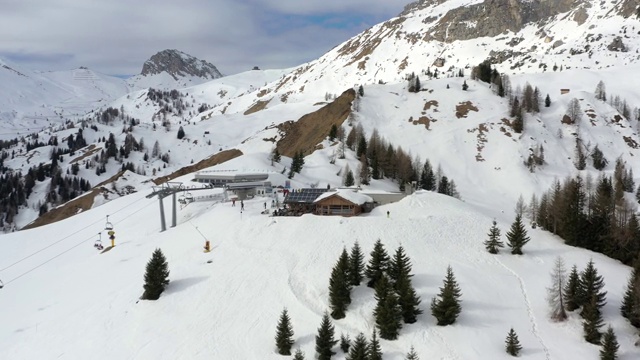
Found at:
(178, 64)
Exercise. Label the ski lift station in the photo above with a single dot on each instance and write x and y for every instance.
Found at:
(244, 185)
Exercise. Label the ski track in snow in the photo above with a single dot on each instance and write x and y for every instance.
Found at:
(527, 302)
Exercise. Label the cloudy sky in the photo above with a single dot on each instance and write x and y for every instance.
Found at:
(116, 36)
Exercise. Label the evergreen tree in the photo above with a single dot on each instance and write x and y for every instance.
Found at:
(572, 291)
(349, 180)
(356, 265)
(339, 287)
(580, 159)
(180, 133)
(493, 243)
(333, 132)
(412, 355)
(630, 307)
(387, 312)
(592, 322)
(465, 86)
(276, 155)
(547, 101)
(447, 308)
(443, 186)
(512, 343)
(517, 236)
(638, 194)
(428, 178)
(599, 162)
(610, 346)
(360, 91)
(374, 352)
(377, 265)
(284, 334)
(299, 355)
(555, 293)
(400, 275)
(156, 277)
(345, 343)
(359, 349)
(324, 339)
(591, 285)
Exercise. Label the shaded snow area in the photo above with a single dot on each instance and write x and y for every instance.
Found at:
(64, 300)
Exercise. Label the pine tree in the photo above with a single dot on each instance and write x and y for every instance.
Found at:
(638, 194)
(156, 277)
(324, 339)
(591, 285)
(377, 265)
(512, 343)
(599, 162)
(387, 312)
(465, 86)
(555, 293)
(361, 91)
(592, 322)
(356, 265)
(412, 355)
(630, 309)
(349, 180)
(359, 349)
(428, 178)
(572, 290)
(493, 243)
(517, 236)
(284, 334)
(400, 275)
(374, 352)
(180, 133)
(333, 132)
(299, 355)
(276, 155)
(547, 101)
(339, 287)
(345, 343)
(610, 346)
(447, 308)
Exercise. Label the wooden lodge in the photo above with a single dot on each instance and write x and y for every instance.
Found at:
(344, 202)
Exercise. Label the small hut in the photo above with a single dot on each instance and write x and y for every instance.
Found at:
(343, 202)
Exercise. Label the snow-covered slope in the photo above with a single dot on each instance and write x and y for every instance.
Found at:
(63, 299)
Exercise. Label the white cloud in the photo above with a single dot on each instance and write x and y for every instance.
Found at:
(117, 36)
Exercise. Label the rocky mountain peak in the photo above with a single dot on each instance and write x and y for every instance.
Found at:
(178, 64)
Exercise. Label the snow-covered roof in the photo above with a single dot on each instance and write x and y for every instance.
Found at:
(347, 194)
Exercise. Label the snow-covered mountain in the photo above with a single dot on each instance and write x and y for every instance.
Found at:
(233, 123)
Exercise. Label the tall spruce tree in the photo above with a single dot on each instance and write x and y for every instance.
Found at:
(377, 265)
(156, 277)
(512, 344)
(412, 355)
(447, 308)
(493, 243)
(284, 334)
(428, 177)
(340, 287)
(356, 265)
(592, 322)
(374, 352)
(555, 292)
(630, 307)
(400, 275)
(517, 236)
(387, 312)
(345, 343)
(591, 285)
(610, 346)
(324, 339)
(572, 291)
(358, 350)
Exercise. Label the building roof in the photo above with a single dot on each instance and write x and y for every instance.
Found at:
(348, 194)
(304, 195)
(248, 185)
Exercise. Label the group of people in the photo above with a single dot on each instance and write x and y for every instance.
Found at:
(233, 204)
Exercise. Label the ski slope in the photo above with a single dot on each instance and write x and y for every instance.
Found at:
(64, 300)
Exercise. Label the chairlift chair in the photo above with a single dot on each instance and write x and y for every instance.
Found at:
(182, 199)
(188, 197)
(98, 242)
(1, 284)
(108, 226)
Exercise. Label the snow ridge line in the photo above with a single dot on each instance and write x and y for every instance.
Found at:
(534, 323)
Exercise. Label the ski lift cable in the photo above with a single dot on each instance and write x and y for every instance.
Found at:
(92, 237)
(198, 230)
(64, 238)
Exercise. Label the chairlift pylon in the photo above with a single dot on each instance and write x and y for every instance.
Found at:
(108, 225)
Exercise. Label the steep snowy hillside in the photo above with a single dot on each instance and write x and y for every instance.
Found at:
(62, 299)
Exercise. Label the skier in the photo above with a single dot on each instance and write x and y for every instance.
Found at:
(233, 202)
(388, 214)
(241, 205)
(265, 205)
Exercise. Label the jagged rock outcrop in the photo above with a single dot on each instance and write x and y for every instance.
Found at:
(178, 64)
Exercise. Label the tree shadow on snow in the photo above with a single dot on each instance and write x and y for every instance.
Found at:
(183, 284)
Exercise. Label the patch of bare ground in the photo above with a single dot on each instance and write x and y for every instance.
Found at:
(257, 106)
(403, 65)
(263, 92)
(429, 104)
(422, 120)
(481, 137)
(73, 207)
(632, 143)
(362, 46)
(304, 134)
(504, 130)
(462, 109)
(213, 160)
(92, 149)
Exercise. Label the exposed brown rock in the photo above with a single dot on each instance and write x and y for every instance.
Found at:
(216, 159)
(257, 106)
(463, 109)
